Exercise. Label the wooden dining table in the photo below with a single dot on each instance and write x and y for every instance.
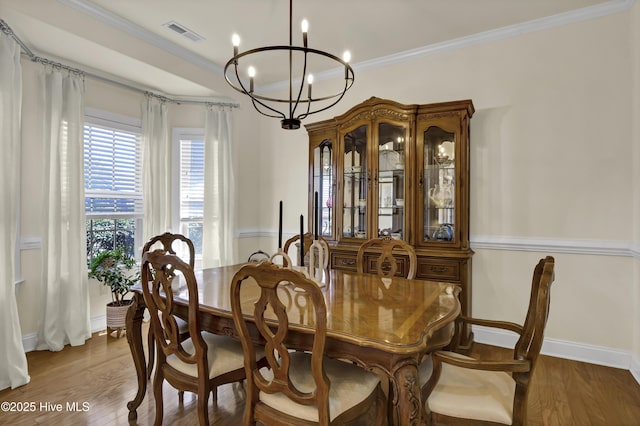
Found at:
(386, 325)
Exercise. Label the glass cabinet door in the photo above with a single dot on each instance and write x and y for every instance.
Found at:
(355, 179)
(391, 180)
(323, 185)
(439, 186)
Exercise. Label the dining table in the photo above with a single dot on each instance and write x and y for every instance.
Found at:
(387, 325)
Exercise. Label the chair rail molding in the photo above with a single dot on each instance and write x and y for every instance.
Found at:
(557, 245)
(30, 242)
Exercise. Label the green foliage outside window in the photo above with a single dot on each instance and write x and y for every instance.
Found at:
(108, 234)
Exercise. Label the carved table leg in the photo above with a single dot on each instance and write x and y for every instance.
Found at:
(406, 395)
(134, 337)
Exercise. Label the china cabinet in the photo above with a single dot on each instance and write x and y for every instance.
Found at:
(384, 168)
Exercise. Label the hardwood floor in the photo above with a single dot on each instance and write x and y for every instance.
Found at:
(99, 377)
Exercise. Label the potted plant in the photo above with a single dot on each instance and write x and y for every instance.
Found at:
(117, 270)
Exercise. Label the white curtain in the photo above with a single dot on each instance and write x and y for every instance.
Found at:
(65, 317)
(13, 362)
(218, 232)
(156, 168)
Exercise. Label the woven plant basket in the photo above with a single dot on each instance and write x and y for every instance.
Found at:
(116, 315)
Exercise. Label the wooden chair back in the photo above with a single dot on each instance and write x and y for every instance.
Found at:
(258, 256)
(386, 264)
(159, 270)
(167, 242)
(530, 342)
(272, 322)
(308, 240)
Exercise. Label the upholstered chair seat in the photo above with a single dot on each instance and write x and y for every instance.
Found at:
(350, 386)
(224, 355)
(471, 394)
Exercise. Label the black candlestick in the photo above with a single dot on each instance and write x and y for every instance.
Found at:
(301, 240)
(315, 217)
(280, 227)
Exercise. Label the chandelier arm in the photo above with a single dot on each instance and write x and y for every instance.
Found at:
(348, 82)
(304, 74)
(263, 100)
(254, 101)
(298, 48)
(303, 116)
(242, 88)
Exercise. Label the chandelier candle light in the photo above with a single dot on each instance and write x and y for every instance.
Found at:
(269, 106)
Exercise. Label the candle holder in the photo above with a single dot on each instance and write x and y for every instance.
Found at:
(286, 260)
(322, 249)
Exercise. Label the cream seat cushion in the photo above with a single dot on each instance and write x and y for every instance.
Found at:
(349, 386)
(183, 326)
(223, 353)
(471, 394)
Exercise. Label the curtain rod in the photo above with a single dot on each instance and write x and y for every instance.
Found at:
(4, 27)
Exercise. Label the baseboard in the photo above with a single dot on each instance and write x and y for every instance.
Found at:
(564, 349)
(29, 341)
(635, 368)
(553, 347)
(98, 323)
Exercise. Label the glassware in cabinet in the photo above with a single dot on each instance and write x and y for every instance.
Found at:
(355, 183)
(392, 139)
(439, 188)
(323, 183)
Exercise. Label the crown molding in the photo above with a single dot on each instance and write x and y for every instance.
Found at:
(548, 22)
(540, 24)
(129, 27)
(553, 21)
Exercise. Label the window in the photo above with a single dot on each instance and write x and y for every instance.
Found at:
(112, 182)
(188, 188)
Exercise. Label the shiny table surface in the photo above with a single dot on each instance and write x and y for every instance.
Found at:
(391, 314)
(397, 320)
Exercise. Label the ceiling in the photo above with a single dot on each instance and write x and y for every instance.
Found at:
(125, 40)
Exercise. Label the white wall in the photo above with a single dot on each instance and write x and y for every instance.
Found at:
(554, 170)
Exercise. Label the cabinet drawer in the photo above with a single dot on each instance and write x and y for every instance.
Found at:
(371, 265)
(343, 261)
(438, 269)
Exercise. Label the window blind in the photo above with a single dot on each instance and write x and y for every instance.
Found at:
(191, 180)
(112, 172)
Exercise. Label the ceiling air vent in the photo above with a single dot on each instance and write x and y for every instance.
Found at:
(183, 31)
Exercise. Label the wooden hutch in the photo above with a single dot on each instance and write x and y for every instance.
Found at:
(384, 168)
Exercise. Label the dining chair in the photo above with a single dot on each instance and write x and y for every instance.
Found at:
(386, 263)
(198, 364)
(298, 388)
(258, 256)
(466, 390)
(170, 244)
(308, 240)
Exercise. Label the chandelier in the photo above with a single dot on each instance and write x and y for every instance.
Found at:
(293, 108)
